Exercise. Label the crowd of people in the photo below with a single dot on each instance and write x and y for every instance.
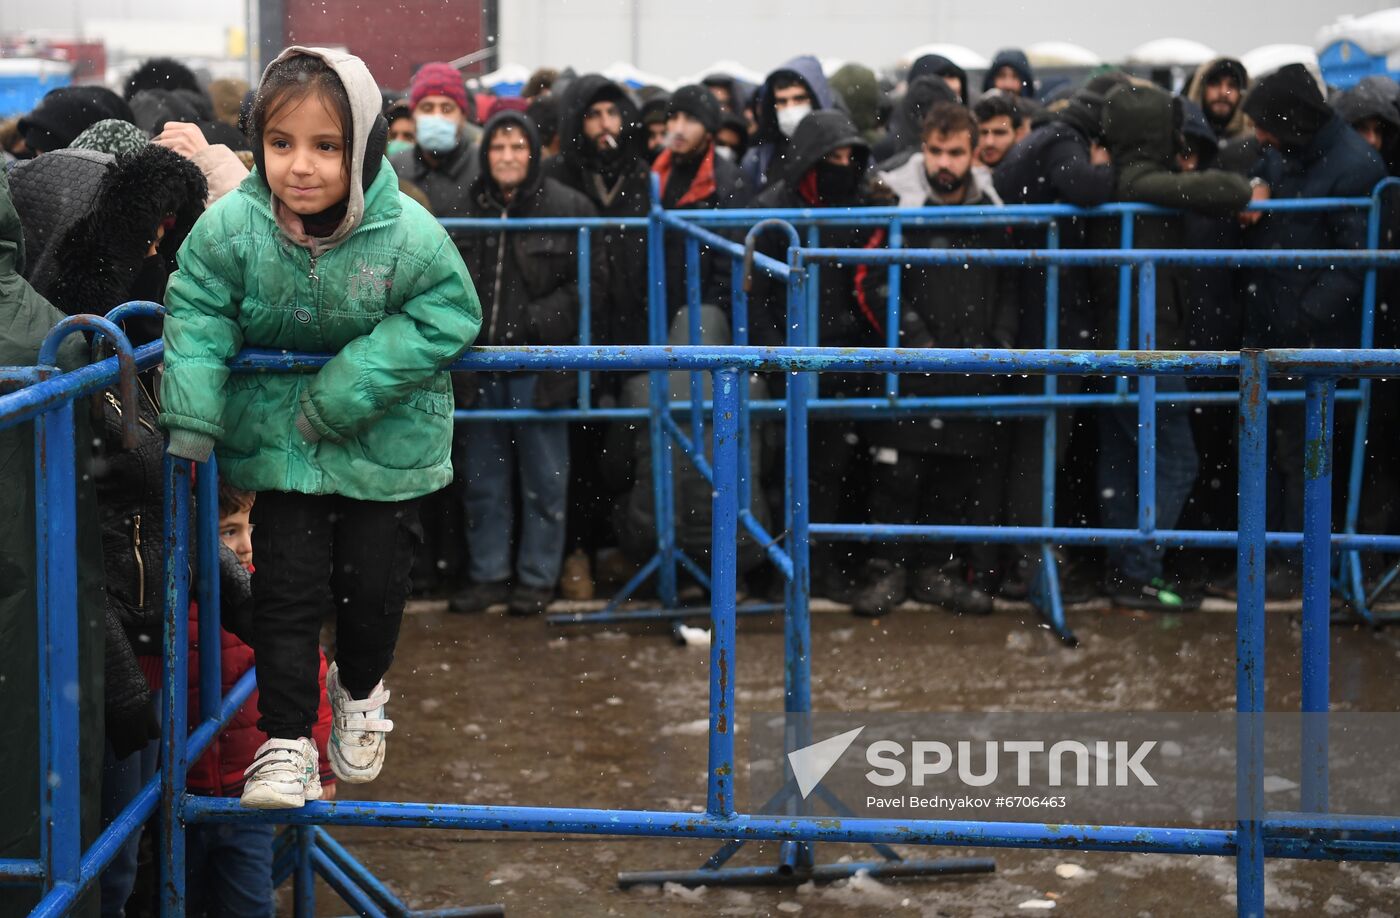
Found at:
(300, 216)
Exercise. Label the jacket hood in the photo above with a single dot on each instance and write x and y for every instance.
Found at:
(89, 217)
(66, 112)
(1084, 113)
(1196, 130)
(819, 134)
(1139, 125)
(484, 184)
(365, 103)
(1016, 59)
(582, 93)
(1196, 90)
(860, 90)
(1373, 97)
(937, 65)
(807, 69)
(1289, 105)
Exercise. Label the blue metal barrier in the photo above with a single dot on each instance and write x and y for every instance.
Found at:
(65, 870)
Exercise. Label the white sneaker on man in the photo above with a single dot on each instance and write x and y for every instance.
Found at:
(357, 731)
(285, 774)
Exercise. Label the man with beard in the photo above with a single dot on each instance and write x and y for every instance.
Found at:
(1010, 71)
(1218, 87)
(788, 95)
(602, 156)
(1309, 152)
(945, 470)
(998, 124)
(528, 282)
(826, 168)
(693, 177)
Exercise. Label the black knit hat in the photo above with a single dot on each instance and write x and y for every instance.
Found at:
(697, 102)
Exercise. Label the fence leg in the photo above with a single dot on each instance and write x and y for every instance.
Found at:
(175, 729)
(1249, 635)
(304, 873)
(723, 585)
(56, 540)
(1317, 588)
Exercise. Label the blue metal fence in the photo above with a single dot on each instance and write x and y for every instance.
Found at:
(64, 869)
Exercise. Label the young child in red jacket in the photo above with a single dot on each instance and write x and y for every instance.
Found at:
(228, 868)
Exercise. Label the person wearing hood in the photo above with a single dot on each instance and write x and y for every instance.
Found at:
(1219, 86)
(904, 136)
(1370, 108)
(946, 470)
(937, 65)
(826, 167)
(443, 160)
(654, 122)
(25, 320)
(731, 93)
(1142, 128)
(1309, 152)
(788, 95)
(318, 251)
(859, 89)
(694, 177)
(602, 156)
(64, 113)
(529, 296)
(1060, 162)
(102, 230)
(1010, 71)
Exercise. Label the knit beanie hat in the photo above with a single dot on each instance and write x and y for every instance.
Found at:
(437, 79)
(120, 138)
(697, 102)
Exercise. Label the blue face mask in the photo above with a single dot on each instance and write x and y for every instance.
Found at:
(395, 147)
(437, 134)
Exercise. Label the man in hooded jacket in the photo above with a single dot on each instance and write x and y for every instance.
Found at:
(528, 284)
(826, 167)
(25, 319)
(906, 122)
(1219, 86)
(1309, 152)
(1010, 71)
(787, 96)
(1142, 127)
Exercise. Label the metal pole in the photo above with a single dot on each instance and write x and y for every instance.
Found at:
(723, 587)
(695, 336)
(304, 874)
(56, 552)
(175, 730)
(211, 685)
(1125, 296)
(663, 493)
(1317, 587)
(892, 305)
(1147, 401)
(585, 310)
(1249, 635)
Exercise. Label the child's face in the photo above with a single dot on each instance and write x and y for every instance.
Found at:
(304, 149)
(237, 533)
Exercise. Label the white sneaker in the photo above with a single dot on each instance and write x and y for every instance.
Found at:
(357, 731)
(285, 774)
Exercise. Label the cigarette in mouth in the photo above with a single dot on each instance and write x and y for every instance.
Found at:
(610, 141)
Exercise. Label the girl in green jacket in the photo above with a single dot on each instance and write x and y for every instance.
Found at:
(318, 252)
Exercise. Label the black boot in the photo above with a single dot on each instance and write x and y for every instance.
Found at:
(945, 587)
(884, 588)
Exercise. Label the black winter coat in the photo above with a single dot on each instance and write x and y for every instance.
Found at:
(729, 191)
(1312, 307)
(527, 280)
(618, 189)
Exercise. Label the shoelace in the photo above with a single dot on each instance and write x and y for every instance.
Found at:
(377, 699)
(277, 752)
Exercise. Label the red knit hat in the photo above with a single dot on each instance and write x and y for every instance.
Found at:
(437, 79)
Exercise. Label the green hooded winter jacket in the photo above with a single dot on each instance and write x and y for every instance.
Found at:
(387, 294)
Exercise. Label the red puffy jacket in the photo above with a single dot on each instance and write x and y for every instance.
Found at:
(219, 772)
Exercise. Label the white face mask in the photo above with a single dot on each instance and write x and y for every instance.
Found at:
(724, 152)
(789, 118)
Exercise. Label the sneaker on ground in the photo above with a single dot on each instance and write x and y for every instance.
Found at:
(1155, 595)
(357, 731)
(285, 774)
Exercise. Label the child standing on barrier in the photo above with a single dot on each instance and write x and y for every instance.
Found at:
(318, 252)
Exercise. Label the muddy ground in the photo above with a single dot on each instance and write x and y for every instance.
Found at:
(491, 709)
